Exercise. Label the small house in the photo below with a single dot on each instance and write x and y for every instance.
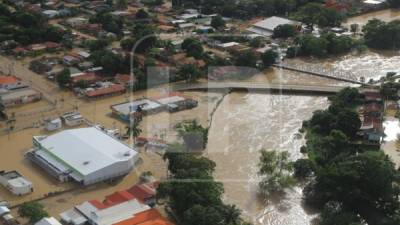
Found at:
(53, 124)
(16, 183)
(72, 119)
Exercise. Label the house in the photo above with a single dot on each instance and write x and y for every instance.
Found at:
(174, 102)
(72, 119)
(49, 14)
(146, 192)
(19, 97)
(89, 77)
(77, 21)
(125, 79)
(266, 27)
(104, 90)
(48, 221)
(53, 124)
(10, 82)
(127, 110)
(372, 129)
(119, 208)
(85, 155)
(16, 183)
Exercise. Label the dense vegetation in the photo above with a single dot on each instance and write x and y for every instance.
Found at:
(382, 35)
(244, 8)
(33, 211)
(26, 28)
(326, 44)
(191, 192)
(352, 183)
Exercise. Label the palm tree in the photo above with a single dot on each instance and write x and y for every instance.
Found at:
(133, 130)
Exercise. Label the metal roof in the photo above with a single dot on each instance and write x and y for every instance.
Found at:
(86, 149)
(127, 108)
(272, 22)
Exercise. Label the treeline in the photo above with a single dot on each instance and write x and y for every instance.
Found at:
(26, 28)
(244, 8)
(327, 44)
(352, 185)
(382, 35)
(192, 193)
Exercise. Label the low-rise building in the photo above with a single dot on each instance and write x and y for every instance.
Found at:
(85, 155)
(119, 208)
(72, 119)
(175, 102)
(128, 110)
(48, 221)
(53, 124)
(19, 97)
(266, 27)
(10, 82)
(104, 91)
(16, 183)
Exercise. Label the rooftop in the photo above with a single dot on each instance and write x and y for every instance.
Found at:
(128, 107)
(86, 149)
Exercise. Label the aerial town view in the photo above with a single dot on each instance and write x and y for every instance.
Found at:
(200, 112)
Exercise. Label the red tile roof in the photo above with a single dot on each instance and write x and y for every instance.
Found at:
(148, 217)
(86, 77)
(115, 88)
(118, 197)
(143, 192)
(9, 80)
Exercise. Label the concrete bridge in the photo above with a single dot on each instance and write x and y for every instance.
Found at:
(246, 86)
(327, 73)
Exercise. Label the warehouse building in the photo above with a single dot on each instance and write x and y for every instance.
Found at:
(144, 106)
(85, 155)
(266, 27)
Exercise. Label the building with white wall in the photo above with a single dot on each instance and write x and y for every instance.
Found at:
(15, 183)
(85, 155)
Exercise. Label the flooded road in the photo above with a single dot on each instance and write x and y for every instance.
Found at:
(244, 124)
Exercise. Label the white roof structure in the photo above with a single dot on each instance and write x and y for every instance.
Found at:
(114, 214)
(87, 149)
(88, 155)
(171, 100)
(266, 27)
(130, 107)
(48, 221)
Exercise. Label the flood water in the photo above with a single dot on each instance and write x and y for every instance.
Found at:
(384, 15)
(244, 124)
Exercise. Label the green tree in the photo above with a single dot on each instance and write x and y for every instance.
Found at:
(189, 72)
(303, 168)
(133, 129)
(127, 44)
(246, 59)
(269, 58)
(121, 4)
(394, 3)
(217, 22)
(193, 48)
(335, 214)
(34, 211)
(110, 62)
(64, 78)
(194, 135)
(275, 169)
(142, 14)
(285, 31)
(354, 28)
